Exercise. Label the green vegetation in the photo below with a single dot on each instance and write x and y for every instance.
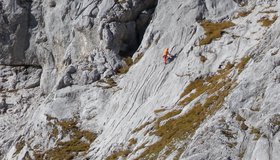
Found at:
(79, 140)
(266, 22)
(242, 120)
(167, 116)
(174, 127)
(239, 118)
(243, 126)
(256, 132)
(141, 147)
(209, 85)
(213, 30)
(240, 66)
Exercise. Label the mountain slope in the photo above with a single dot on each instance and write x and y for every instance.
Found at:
(216, 99)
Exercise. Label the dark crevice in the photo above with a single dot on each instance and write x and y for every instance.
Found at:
(142, 21)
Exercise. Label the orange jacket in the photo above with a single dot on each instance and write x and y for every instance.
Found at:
(165, 52)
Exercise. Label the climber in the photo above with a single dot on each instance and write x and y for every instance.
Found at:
(166, 55)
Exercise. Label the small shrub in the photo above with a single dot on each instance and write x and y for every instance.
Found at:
(19, 146)
(256, 132)
(244, 126)
(125, 68)
(239, 118)
(203, 59)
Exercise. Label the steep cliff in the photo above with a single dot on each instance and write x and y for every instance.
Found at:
(86, 79)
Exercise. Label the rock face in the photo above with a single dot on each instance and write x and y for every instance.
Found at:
(85, 79)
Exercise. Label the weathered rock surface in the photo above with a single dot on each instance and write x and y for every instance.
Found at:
(217, 98)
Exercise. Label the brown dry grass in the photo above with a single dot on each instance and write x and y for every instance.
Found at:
(266, 22)
(213, 30)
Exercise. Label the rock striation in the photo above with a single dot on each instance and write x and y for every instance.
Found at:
(85, 79)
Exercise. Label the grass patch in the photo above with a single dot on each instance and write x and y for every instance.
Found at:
(117, 154)
(19, 146)
(173, 129)
(111, 83)
(256, 132)
(242, 120)
(159, 110)
(239, 118)
(142, 126)
(243, 14)
(213, 30)
(128, 63)
(228, 133)
(268, 11)
(79, 142)
(141, 147)
(241, 65)
(138, 58)
(209, 85)
(266, 22)
(183, 127)
(243, 126)
(275, 120)
(241, 153)
(167, 116)
(231, 144)
(132, 142)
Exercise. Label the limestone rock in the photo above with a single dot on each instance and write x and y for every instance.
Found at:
(69, 80)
